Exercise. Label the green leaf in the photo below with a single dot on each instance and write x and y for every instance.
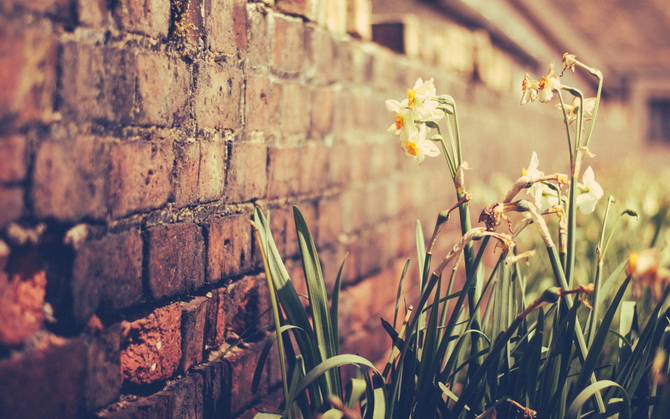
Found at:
(334, 307)
(595, 350)
(265, 415)
(356, 388)
(583, 397)
(262, 359)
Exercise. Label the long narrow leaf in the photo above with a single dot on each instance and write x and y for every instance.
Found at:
(583, 397)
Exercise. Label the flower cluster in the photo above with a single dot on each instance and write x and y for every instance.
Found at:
(411, 114)
(544, 88)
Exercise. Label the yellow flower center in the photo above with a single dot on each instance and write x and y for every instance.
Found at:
(544, 82)
(399, 121)
(524, 172)
(411, 98)
(411, 149)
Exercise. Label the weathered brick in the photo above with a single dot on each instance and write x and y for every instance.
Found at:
(257, 101)
(239, 386)
(321, 119)
(215, 325)
(288, 44)
(163, 89)
(46, 382)
(70, 178)
(294, 112)
(359, 18)
(97, 82)
(27, 72)
(243, 306)
(186, 396)
(321, 56)
(103, 368)
(95, 13)
(107, 274)
(140, 176)
(157, 405)
(13, 157)
(282, 175)
(58, 8)
(227, 26)
(176, 259)
(260, 39)
(149, 17)
(313, 167)
(199, 171)
(11, 204)
(229, 246)
(304, 8)
(193, 321)
(151, 346)
(218, 97)
(21, 305)
(329, 221)
(246, 178)
(216, 400)
(336, 20)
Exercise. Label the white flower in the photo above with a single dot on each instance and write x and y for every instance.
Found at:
(543, 195)
(418, 146)
(569, 62)
(590, 190)
(529, 89)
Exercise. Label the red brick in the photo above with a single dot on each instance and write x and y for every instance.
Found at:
(176, 259)
(163, 89)
(199, 172)
(283, 177)
(11, 204)
(244, 306)
(186, 396)
(107, 274)
(218, 97)
(260, 37)
(13, 158)
(338, 165)
(70, 178)
(97, 82)
(149, 17)
(246, 178)
(229, 246)
(103, 368)
(329, 221)
(46, 382)
(215, 329)
(21, 305)
(27, 72)
(157, 405)
(140, 176)
(288, 44)
(226, 25)
(151, 346)
(193, 321)
(257, 100)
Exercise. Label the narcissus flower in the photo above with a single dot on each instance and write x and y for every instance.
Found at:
(590, 190)
(418, 146)
(422, 98)
(543, 196)
(529, 89)
(404, 118)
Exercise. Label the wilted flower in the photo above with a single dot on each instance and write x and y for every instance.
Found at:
(590, 190)
(572, 110)
(645, 268)
(548, 84)
(569, 62)
(529, 89)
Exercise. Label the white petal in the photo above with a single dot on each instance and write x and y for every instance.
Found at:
(393, 105)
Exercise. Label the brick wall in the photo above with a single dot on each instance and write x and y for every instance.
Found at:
(136, 137)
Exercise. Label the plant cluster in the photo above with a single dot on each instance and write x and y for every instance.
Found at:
(476, 344)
